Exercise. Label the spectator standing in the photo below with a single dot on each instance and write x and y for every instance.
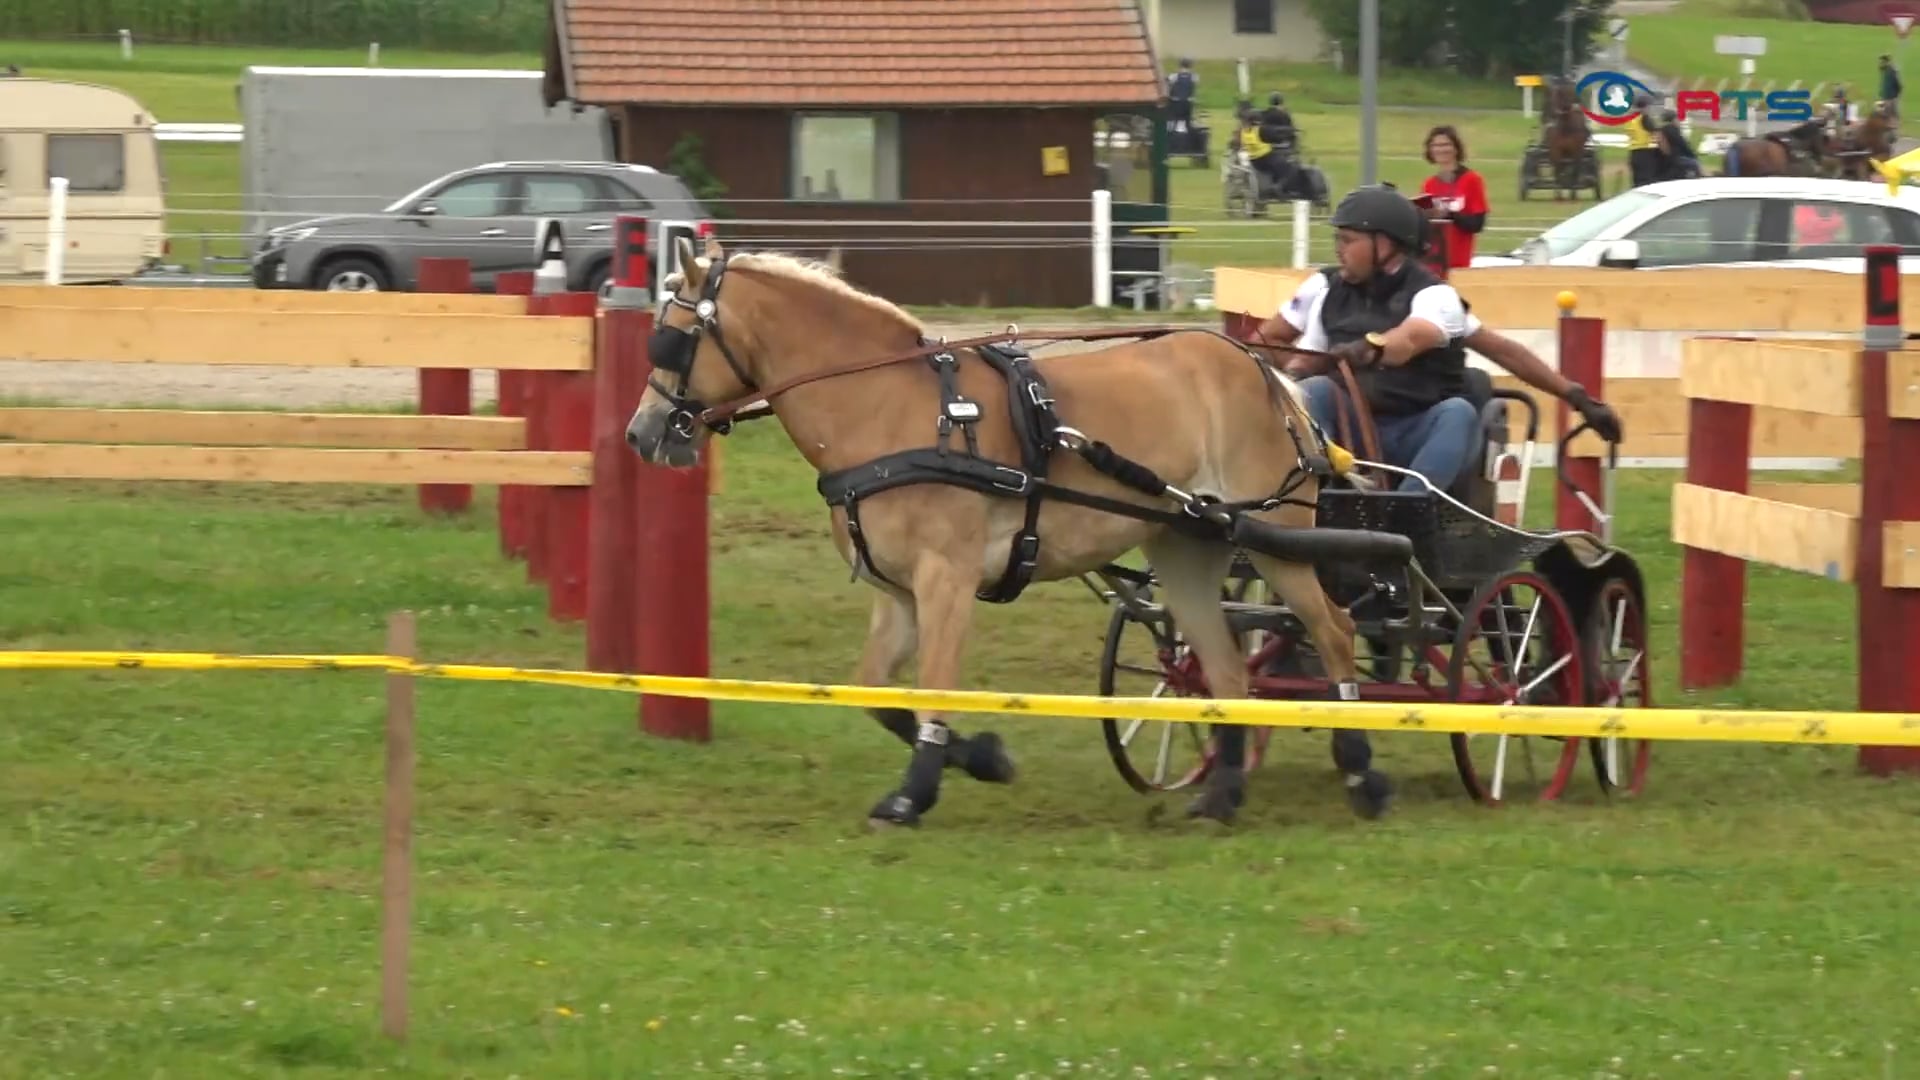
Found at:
(1458, 196)
(1890, 86)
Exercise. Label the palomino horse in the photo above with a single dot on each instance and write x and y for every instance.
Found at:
(943, 466)
(1773, 154)
(1565, 132)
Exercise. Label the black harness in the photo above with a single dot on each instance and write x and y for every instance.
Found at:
(1037, 429)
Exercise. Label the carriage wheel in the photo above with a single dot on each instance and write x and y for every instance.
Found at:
(1143, 660)
(1616, 635)
(1516, 645)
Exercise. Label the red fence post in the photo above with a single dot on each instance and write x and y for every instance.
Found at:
(626, 319)
(549, 283)
(1713, 587)
(445, 391)
(510, 393)
(1888, 618)
(566, 400)
(671, 581)
(1582, 347)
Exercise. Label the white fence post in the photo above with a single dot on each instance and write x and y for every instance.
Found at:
(126, 44)
(373, 54)
(1301, 227)
(56, 229)
(1103, 249)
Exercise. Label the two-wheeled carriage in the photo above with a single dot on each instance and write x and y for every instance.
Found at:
(1247, 191)
(1539, 172)
(1486, 612)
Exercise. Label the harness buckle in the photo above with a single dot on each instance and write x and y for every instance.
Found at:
(961, 411)
(1040, 398)
(1021, 484)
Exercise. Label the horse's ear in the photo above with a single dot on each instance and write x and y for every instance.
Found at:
(713, 247)
(690, 268)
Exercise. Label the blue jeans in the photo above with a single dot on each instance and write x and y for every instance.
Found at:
(1436, 443)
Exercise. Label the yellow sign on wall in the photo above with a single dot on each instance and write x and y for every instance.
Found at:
(1053, 161)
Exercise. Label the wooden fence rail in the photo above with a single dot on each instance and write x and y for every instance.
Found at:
(556, 451)
(1867, 534)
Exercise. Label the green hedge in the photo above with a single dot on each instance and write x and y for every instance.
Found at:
(465, 25)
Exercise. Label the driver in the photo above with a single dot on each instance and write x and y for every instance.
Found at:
(1405, 333)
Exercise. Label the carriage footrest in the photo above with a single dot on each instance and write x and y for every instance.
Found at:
(1320, 545)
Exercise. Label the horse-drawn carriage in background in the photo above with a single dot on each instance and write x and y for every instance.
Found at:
(1561, 158)
(1248, 190)
(1487, 612)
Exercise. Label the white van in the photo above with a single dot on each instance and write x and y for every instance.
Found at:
(103, 142)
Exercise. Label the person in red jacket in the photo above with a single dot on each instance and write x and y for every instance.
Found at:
(1458, 196)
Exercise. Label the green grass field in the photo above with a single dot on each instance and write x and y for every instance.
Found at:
(1681, 46)
(189, 864)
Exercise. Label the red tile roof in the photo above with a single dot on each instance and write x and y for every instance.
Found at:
(900, 53)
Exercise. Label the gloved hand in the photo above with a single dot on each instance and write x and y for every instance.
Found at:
(1359, 352)
(1598, 415)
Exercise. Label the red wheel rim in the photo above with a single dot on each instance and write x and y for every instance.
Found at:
(1517, 644)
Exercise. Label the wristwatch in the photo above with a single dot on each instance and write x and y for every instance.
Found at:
(1379, 343)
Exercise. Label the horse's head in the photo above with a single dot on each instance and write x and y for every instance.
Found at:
(696, 361)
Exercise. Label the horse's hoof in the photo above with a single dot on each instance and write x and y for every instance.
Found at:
(1226, 791)
(1369, 793)
(1212, 806)
(894, 810)
(987, 759)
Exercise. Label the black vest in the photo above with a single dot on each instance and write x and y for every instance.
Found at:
(1350, 312)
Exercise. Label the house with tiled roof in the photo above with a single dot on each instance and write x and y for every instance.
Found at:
(1231, 29)
(928, 142)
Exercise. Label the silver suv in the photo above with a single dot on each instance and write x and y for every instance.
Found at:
(487, 215)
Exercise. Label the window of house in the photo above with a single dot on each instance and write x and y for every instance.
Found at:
(1253, 16)
(846, 157)
(95, 163)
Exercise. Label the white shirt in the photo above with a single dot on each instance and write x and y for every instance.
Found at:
(1438, 304)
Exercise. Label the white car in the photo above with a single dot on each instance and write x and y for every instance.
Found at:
(1760, 221)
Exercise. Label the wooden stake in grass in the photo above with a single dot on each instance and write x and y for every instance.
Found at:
(396, 899)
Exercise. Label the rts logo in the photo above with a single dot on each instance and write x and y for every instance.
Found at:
(1614, 95)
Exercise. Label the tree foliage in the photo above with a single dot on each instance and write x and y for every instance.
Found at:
(1487, 38)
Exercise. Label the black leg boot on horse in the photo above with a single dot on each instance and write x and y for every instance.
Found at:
(983, 757)
(1368, 789)
(1226, 789)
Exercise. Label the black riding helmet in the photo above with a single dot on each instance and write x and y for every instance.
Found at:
(1380, 208)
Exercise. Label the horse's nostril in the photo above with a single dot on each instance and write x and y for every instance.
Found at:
(633, 439)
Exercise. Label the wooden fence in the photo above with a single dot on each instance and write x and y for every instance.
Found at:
(556, 451)
(1867, 533)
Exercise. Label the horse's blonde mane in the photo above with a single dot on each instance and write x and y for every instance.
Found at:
(820, 275)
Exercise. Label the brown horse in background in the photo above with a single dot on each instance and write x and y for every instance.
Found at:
(1565, 133)
(1772, 154)
(1854, 148)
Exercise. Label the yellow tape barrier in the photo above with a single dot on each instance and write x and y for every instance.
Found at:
(1712, 725)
